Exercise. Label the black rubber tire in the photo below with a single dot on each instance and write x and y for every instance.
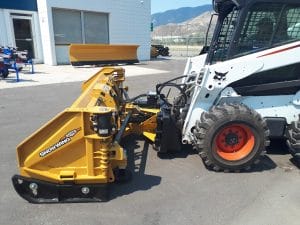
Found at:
(293, 138)
(218, 117)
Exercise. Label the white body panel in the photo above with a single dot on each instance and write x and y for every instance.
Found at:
(287, 106)
(208, 92)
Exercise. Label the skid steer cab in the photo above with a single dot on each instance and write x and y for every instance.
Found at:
(231, 102)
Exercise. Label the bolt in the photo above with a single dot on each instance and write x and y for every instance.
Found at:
(20, 181)
(33, 187)
(85, 190)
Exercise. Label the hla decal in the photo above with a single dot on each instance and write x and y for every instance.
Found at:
(64, 140)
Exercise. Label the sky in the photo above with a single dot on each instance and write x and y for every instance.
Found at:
(164, 5)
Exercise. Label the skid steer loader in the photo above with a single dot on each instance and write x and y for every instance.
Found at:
(232, 99)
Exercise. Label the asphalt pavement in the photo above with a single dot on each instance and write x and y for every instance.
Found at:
(175, 189)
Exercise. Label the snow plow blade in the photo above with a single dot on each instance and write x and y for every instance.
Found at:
(74, 156)
(101, 54)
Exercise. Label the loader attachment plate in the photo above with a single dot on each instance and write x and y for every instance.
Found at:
(37, 191)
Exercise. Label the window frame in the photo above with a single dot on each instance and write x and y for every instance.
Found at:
(82, 26)
(54, 26)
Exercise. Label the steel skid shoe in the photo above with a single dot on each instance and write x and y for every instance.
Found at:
(37, 191)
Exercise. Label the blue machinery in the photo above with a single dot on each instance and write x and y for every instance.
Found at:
(15, 60)
(14, 66)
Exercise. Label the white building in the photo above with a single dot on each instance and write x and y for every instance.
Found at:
(47, 27)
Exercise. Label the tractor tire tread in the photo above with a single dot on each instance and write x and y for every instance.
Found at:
(293, 137)
(222, 112)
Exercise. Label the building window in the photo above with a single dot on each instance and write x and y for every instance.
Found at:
(96, 27)
(71, 26)
(67, 26)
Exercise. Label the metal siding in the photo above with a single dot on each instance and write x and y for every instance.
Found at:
(30, 5)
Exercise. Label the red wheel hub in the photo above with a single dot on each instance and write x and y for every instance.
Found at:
(234, 142)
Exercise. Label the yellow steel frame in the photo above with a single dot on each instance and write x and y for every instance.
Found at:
(67, 149)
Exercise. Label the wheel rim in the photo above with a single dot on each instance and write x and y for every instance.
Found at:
(234, 142)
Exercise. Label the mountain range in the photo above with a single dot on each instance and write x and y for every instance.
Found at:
(195, 27)
(178, 15)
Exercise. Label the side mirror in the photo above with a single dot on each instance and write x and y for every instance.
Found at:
(219, 5)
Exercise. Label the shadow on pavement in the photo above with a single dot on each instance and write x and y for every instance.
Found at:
(160, 59)
(266, 163)
(296, 161)
(29, 73)
(14, 80)
(137, 158)
(137, 151)
(278, 147)
(106, 65)
(183, 153)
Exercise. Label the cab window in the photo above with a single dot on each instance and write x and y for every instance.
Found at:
(221, 45)
(268, 25)
(258, 28)
(293, 22)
